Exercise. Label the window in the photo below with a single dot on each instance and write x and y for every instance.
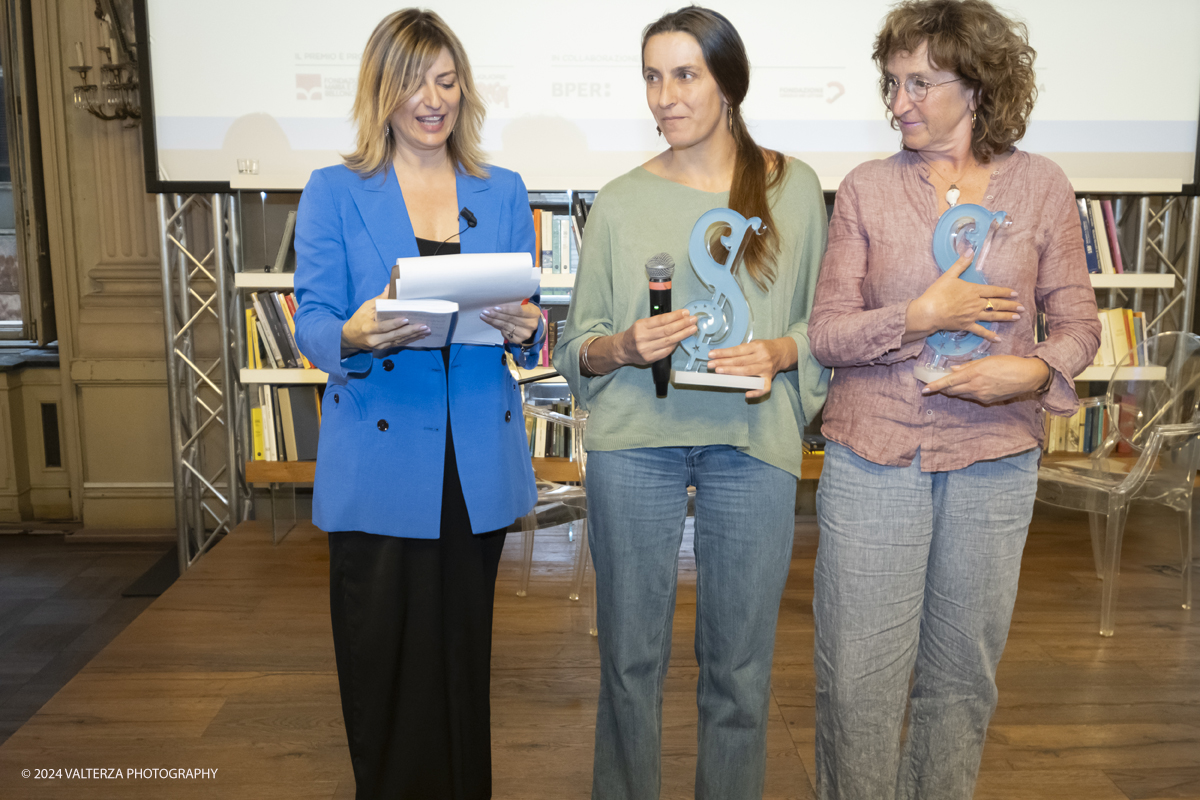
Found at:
(26, 296)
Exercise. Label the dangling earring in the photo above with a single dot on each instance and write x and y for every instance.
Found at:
(387, 130)
(658, 129)
(731, 118)
(972, 120)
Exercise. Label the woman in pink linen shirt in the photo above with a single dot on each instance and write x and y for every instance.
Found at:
(927, 490)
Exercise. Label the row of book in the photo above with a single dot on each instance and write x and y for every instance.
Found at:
(547, 440)
(1100, 237)
(553, 331)
(271, 332)
(559, 237)
(1081, 433)
(285, 422)
(285, 257)
(1121, 330)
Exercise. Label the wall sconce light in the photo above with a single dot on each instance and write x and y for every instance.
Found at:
(115, 95)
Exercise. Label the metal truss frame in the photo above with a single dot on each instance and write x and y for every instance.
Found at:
(211, 495)
(1166, 240)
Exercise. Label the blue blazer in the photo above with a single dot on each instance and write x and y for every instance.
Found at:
(383, 430)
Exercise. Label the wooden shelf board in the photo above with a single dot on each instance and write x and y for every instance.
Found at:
(552, 281)
(285, 376)
(286, 280)
(533, 373)
(559, 470)
(1133, 280)
(264, 280)
(281, 471)
(1127, 373)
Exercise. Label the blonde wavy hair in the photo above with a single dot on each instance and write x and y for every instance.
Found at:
(987, 50)
(401, 50)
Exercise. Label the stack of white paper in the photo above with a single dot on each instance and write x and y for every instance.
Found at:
(474, 281)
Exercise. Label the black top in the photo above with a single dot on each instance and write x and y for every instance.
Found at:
(428, 247)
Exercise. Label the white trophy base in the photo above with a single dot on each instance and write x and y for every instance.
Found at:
(714, 381)
(927, 374)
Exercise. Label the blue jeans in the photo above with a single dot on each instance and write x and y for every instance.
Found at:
(915, 571)
(745, 520)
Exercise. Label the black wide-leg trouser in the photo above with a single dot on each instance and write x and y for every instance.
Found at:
(412, 632)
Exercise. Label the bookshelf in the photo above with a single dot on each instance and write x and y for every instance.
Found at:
(1156, 239)
(1159, 235)
(256, 247)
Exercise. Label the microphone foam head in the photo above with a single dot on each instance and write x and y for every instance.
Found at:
(660, 268)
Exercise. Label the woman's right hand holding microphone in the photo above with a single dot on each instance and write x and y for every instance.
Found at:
(642, 343)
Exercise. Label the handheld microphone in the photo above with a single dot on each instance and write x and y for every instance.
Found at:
(660, 269)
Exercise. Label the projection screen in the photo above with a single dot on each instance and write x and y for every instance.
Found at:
(273, 82)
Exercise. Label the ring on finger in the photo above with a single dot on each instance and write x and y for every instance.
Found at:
(990, 307)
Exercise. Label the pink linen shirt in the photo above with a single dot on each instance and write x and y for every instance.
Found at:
(880, 258)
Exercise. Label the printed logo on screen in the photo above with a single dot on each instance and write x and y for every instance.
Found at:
(494, 94)
(580, 89)
(308, 86)
(829, 92)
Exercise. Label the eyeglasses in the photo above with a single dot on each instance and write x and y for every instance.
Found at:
(916, 88)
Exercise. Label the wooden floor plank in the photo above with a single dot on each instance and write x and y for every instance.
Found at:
(1157, 784)
(232, 668)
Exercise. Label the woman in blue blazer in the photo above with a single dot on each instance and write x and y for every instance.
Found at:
(423, 460)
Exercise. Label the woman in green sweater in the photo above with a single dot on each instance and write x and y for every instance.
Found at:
(740, 451)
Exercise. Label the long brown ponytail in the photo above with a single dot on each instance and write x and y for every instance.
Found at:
(756, 171)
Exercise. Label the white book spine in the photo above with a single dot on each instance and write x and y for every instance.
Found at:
(547, 238)
(556, 245)
(1102, 250)
(565, 242)
(539, 438)
(268, 415)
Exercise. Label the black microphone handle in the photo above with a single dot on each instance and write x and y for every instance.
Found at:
(660, 303)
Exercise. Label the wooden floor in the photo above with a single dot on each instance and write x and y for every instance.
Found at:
(60, 605)
(232, 669)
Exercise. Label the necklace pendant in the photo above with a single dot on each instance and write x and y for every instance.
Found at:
(952, 195)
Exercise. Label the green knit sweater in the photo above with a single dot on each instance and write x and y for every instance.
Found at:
(640, 214)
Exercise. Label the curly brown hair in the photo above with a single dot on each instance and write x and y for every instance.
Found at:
(987, 50)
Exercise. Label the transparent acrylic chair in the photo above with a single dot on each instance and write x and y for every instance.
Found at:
(562, 497)
(1154, 408)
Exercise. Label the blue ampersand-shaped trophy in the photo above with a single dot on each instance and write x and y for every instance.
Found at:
(724, 319)
(964, 229)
